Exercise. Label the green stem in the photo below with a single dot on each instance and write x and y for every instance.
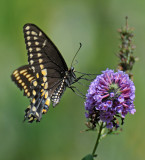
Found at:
(97, 141)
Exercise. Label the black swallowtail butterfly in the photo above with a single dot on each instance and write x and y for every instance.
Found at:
(47, 75)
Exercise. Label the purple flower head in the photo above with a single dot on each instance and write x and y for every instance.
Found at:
(110, 94)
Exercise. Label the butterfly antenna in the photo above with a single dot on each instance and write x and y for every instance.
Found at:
(76, 62)
(76, 54)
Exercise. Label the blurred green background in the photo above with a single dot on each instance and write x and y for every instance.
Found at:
(94, 23)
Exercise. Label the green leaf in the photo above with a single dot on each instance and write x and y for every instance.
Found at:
(88, 157)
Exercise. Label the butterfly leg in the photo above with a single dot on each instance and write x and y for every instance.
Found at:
(82, 77)
(79, 93)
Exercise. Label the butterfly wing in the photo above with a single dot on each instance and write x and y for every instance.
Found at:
(41, 50)
(23, 76)
(44, 58)
(48, 69)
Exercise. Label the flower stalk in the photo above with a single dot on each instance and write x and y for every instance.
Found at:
(98, 140)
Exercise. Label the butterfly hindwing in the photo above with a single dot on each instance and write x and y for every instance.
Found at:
(40, 100)
(23, 77)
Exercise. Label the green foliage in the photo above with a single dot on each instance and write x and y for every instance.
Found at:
(88, 157)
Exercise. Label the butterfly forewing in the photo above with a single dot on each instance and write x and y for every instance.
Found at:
(41, 50)
(44, 58)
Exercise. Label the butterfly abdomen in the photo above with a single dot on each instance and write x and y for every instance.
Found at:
(56, 96)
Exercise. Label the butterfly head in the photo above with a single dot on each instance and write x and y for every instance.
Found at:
(70, 76)
(72, 72)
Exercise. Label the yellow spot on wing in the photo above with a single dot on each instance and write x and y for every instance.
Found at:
(46, 95)
(44, 79)
(40, 33)
(30, 78)
(29, 43)
(38, 49)
(33, 33)
(20, 81)
(40, 60)
(35, 83)
(36, 43)
(31, 55)
(25, 73)
(41, 66)
(42, 84)
(22, 71)
(44, 111)
(44, 43)
(31, 62)
(27, 28)
(33, 68)
(44, 72)
(33, 100)
(34, 109)
(37, 75)
(37, 114)
(47, 102)
(29, 115)
(16, 71)
(35, 38)
(23, 84)
(27, 76)
(30, 49)
(16, 74)
(28, 38)
(39, 54)
(46, 86)
(42, 90)
(28, 32)
(34, 92)
(42, 94)
(31, 119)
(28, 94)
(18, 78)
(26, 90)
(25, 87)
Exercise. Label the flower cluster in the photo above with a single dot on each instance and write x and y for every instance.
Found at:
(126, 52)
(110, 95)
